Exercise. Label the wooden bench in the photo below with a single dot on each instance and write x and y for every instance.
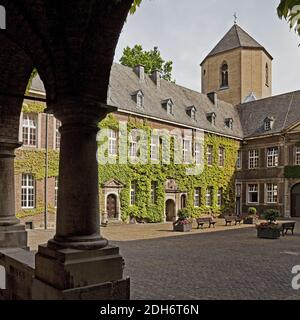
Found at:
(286, 226)
(202, 221)
(230, 219)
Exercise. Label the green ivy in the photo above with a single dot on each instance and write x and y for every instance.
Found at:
(33, 107)
(292, 172)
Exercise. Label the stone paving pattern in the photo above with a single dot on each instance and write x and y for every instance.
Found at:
(210, 264)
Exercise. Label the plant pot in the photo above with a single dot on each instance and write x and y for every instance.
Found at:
(268, 233)
(250, 220)
(182, 227)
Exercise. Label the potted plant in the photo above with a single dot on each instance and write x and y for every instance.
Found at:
(269, 229)
(252, 216)
(183, 223)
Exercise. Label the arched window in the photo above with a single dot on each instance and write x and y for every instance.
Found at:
(224, 75)
(267, 74)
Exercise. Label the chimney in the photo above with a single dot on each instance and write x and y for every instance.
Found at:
(155, 76)
(213, 97)
(140, 71)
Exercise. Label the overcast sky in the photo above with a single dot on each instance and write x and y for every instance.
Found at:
(186, 30)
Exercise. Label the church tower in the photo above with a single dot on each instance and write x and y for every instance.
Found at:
(238, 69)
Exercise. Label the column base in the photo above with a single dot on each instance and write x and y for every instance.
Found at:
(68, 268)
(13, 236)
(117, 290)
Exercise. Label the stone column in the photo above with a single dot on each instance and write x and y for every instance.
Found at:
(78, 261)
(12, 234)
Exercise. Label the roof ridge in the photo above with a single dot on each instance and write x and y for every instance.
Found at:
(236, 26)
(288, 110)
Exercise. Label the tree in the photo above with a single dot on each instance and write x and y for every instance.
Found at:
(290, 10)
(151, 60)
(136, 3)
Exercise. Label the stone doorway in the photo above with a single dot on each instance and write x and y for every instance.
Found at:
(111, 206)
(170, 210)
(295, 201)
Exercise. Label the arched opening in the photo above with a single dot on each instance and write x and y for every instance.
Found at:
(183, 201)
(295, 201)
(170, 210)
(224, 75)
(267, 74)
(111, 206)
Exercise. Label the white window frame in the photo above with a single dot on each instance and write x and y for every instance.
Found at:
(28, 190)
(268, 125)
(133, 186)
(197, 152)
(252, 191)
(31, 129)
(272, 157)
(239, 160)
(271, 192)
(57, 135)
(210, 151)
(253, 158)
(220, 197)
(154, 148)
(170, 107)
(133, 146)
(187, 150)
(209, 196)
(197, 197)
(221, 157)
(140, 100)
(297, 155)
(112, 142)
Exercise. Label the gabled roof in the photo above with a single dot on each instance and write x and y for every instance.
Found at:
(235, 38)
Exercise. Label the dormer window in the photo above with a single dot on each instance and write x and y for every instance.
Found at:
(168, 106)
(191, 111)
(229, 123)
(138, 97)
(211, 117)
(268, 124)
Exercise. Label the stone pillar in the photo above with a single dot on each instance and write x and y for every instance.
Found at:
(78, 261)
(12, 234)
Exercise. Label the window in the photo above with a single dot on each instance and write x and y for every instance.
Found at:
(253, 159)
(154, 150)
(253, 193)
(112, 142)
(154, 192)
(193, 114)
(297, 154)
(28, 191)
(29, 129)
(57, 134)
(221, 157)
(224, 75)
(211, 117)
(272, 157)
(209, 196)
(239, 160)
(197, 197)
(198, 153)
(267, 125)
(133, 146)
(210, 155)
(267, 74)
(133, 193)
(140, 100)
(55, 192)
(272, 193)
(229, 123)
(170, 107)
(220, 197)
(187, 148)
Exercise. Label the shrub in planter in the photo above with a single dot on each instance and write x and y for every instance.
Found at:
(269, 229)
(183, 224)
(252, 217)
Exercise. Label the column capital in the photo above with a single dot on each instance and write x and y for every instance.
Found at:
(80, 111)
(8, 147)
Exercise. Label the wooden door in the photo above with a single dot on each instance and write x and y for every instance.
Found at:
(111, 206)
(296, 205)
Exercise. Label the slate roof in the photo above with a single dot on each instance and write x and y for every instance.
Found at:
(235, 38)
(124, 81)
(284, 109)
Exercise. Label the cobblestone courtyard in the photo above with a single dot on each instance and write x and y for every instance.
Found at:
(231, 264)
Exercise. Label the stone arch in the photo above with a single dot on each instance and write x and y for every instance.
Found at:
(224, 75)
(117, 208)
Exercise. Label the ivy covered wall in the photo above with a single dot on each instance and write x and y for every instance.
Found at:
(32, 161)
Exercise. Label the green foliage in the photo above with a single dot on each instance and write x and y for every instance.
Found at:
(214, 176)
(292, 172)
(36, 211)
(183, 214)
(33, 107)
(136, 3)
(151, 60)
(33, 74)
(271, 215)
(252, 211)
(288, 10)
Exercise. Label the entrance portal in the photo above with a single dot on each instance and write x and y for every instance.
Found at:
(111, 206)
(170, 210)
(295, 201)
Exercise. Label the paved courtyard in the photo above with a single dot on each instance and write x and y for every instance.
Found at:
(228, 263)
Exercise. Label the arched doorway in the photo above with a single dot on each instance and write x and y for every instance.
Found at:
(295, 201)
(183, 201)
(170, 210)
(111, 206)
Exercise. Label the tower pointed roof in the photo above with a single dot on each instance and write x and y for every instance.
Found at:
(235, 38)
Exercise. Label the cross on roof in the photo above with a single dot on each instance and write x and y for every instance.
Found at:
(235, 18)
